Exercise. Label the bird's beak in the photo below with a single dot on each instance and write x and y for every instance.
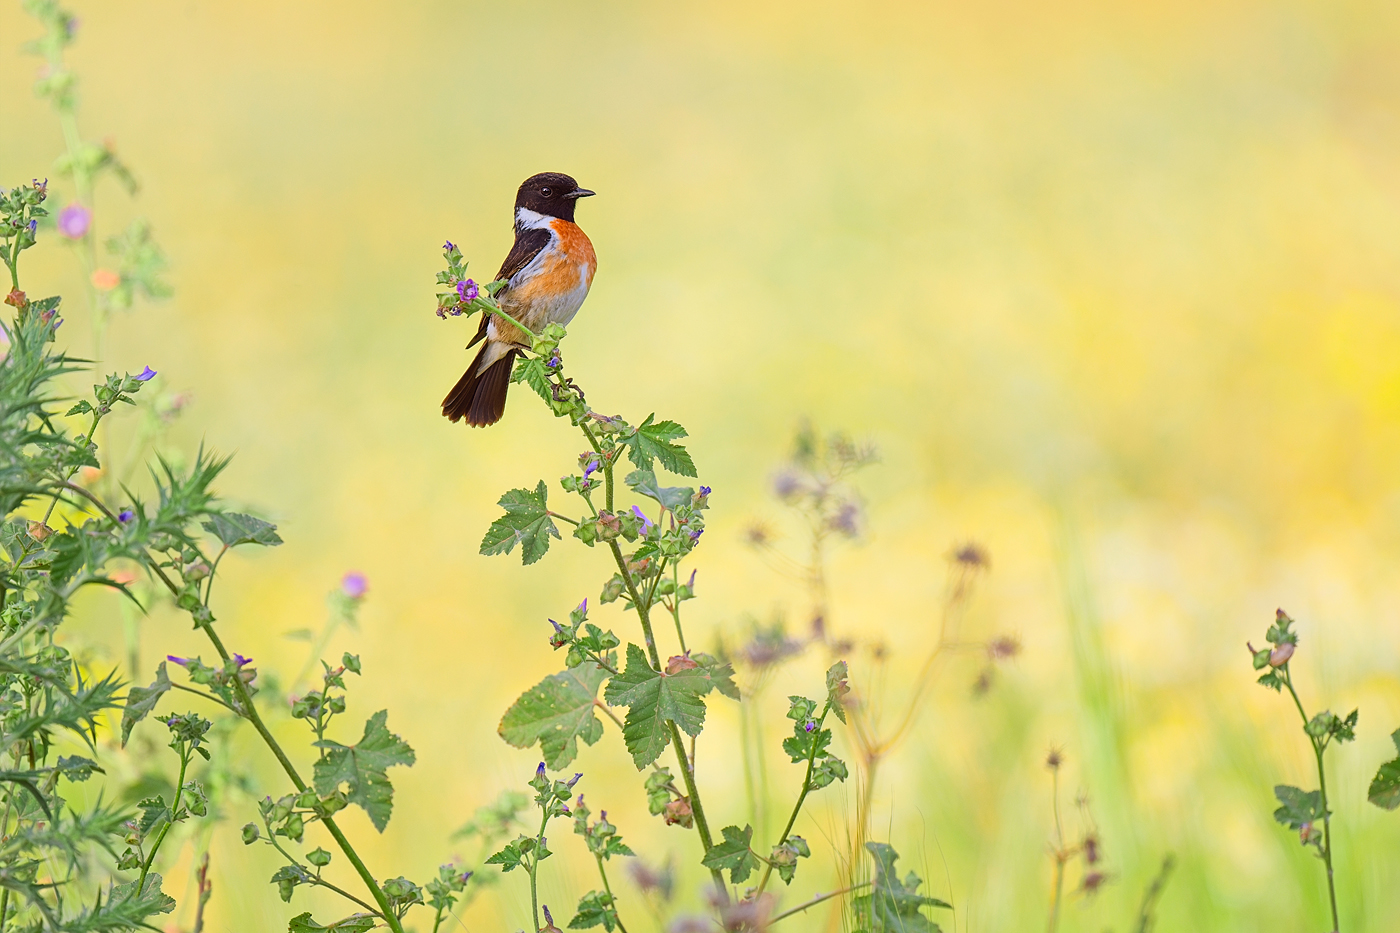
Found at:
(580, 193)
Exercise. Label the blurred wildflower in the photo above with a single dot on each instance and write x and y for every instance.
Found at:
(354, 585)
(646, 522)
(73, 221)
(1003, 647)
(658, 881)
(971, 555)
(549, 926)
(1054, 759)
(104, 280)
(125, 515)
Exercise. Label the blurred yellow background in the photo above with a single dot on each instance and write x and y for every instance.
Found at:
(1114, 288)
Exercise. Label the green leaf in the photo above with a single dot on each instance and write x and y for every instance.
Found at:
(556, 712)
(653, 698)
(643, 482)
(653, 442)
(526, 521)
(362, 767)
(141, 700)
(1385, 786)
(733, 853)
(894, 906)
(359, 923)
(235, 528)
(721, 673)
(837, 688)
(150, 900)
(531, 371)
(1298, 806)
(595, 909)
(515, 854)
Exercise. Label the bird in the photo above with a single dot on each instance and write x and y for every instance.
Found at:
(548, 272)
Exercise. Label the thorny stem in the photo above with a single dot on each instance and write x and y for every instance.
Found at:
(819, 899)
(250, 712)
(1319, 746)
(801, 797)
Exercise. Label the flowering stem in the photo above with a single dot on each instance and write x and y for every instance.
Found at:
(174, 810)
(1319, 746)
(250, 712)
(603, 873)
(534, 867)
(801, 797)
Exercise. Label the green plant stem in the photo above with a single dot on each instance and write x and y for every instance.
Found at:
(819, 899)
(317, 880)
(534, 868)
(697, 809)
(603, 873)
(676, 603)
(1057, 893)
(164, 830)
(250, 712)
(801, 798)
(4, 908)
(1319, 747)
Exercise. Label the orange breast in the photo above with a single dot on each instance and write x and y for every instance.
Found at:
(575, 245)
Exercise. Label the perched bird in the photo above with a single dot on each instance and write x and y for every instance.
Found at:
(549, 270)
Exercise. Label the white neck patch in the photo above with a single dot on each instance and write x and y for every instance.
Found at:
(526, 219)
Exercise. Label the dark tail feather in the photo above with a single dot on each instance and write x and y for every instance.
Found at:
(480, 398)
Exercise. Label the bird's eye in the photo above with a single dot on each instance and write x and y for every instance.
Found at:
(547, 191)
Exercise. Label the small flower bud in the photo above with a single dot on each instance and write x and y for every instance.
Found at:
(678, 812)
(1281, 653)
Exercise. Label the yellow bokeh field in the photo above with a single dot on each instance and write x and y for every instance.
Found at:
(1114, 289)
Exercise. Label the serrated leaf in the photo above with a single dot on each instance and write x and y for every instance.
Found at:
(235, 528)
(1298, 806)
(526, 521)
(531, 371)
(141, 700)
(733, 853)
(721, 673)
(362, 767)
(643, 482)
(149, 900)
(653, 442)
(595, 909)
(653, 698)
(556, 712)
(359, 923)
(894, 906)
(1385, 786)
(837, 688)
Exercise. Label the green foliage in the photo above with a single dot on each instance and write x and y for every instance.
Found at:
(893, 906)
(526, 522)
(653, 699)
(785, 855)
(733, 854)
(556, 713)
(362, 768)
(1385, 786)
(359, 923)
(650, 442)
(595, 909)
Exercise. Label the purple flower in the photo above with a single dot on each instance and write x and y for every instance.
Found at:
(33, 225)
(592, 466)
(704, 490)
(125, 515)
(73, 221)
(539, 772)
(354, 585)
(811, 726)
(183, 662)
(582, 607)
(691, 584)
(646, 523)
(241, 661)
(695, 535)
(574, 780)
(146, 375)
(467, 290)
(449, 246)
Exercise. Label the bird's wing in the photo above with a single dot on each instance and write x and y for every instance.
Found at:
(528, 244)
